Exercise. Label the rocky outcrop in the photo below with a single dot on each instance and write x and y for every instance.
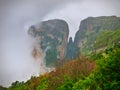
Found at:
(72, 50)
(51, 37)
(90, 28)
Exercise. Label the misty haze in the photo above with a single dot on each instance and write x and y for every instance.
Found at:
(59, 45)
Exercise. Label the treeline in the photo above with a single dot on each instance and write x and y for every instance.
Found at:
(99, 71)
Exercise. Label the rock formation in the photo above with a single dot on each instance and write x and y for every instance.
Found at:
(51, 37)
(72, 50)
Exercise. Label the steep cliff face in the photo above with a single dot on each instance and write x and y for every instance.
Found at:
(90, 29)
(51, 37)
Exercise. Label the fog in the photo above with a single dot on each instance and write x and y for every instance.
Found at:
(74, 12)
(16, 62)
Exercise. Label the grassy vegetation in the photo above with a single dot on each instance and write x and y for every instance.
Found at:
(107, 38)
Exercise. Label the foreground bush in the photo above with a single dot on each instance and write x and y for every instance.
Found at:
(107, 74)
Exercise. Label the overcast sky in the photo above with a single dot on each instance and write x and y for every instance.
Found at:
(17, 15)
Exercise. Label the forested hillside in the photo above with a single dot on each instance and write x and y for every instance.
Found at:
(98, 72)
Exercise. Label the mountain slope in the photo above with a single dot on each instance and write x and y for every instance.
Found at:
(90, 29)
(107, 38)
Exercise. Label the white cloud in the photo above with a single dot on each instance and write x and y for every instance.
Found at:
(73, 13)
